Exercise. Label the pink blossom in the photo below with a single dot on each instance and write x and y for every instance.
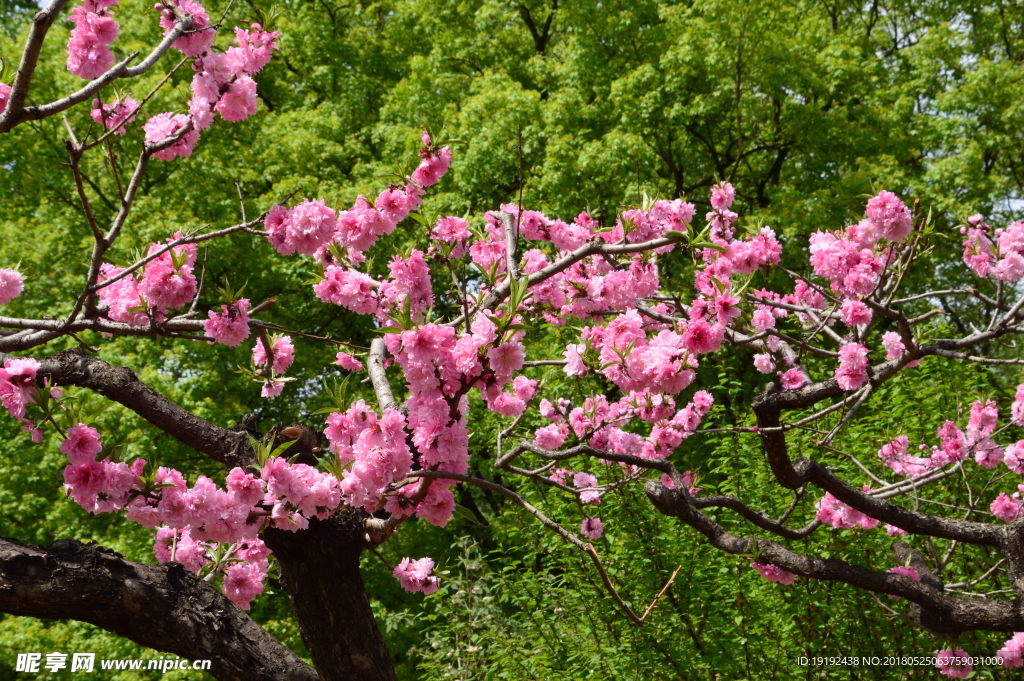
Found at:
(833, 512)
(242, 583)
(195, 43)
(17, 379)
(524, 388)
(701, 337)
(1012, 652)
(722, 196)
(1013, 457)
(763, 319)
(11, 285)
(5, 94)
(890, 216)
(506, 359)
(310, 225)
(168, 280)
(271, 389)
(284, 353)
(450, 230)
(82, 444)
(353, 290)
(164, 126)
(855, 313)
(764, 363)
(792, 379)
(111, 115)
(592, 528)
(773, 573)
(851, 373)
(231, 326)
(247, 489)
(432, 168)
(347, 361)
(254, 48)
(956, 664)
(239, 102)
(1006, 508)
(89, 54)
(417, 576)
(507, 405)
(574, 365)
(893, 345)
(550, 437)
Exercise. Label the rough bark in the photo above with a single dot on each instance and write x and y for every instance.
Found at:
(163, 607)
(320, 571)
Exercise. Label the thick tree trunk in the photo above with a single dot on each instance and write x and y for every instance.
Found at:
(320, 572)
(164, 607)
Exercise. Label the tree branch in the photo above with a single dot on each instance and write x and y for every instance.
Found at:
(120, 384)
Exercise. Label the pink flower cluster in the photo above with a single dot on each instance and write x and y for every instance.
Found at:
(665, 363)
(434, 164)
(833, 512)
(773, 573)
(417, 576)
(11, 285)
(114, 114)
(592, 528)
(230, 326)
(376, 448)
(195, 518)
(956, 664)
(195, 43)
(599, 423)
(311, 227)
(97, 486)
(284, 355)
(166, 126)
(1012, 651)
(852, 372)
(851, 259)
(5, 94)
(1002, 260)
(304, 228)
(224, 83)
(167, 282)
(17, 391)
(89, 54)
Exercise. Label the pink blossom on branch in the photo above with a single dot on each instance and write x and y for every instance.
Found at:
(165, 126)
(417, 576)
(11, 284)
(230, 326)
(111, 115)
(773, 573)
(195, 43)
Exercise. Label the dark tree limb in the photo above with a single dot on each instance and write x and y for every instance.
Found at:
(121, 385)
(164, 607)
(962, 614)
